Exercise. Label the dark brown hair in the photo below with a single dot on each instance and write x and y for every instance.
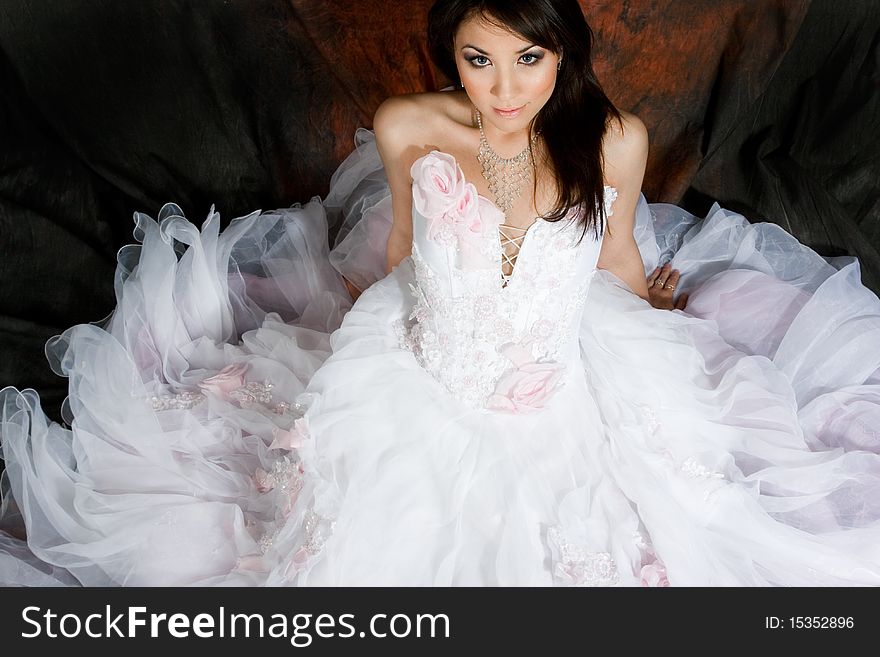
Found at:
(574, 119)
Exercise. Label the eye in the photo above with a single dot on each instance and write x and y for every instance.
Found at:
(530, 58)
(479, 61)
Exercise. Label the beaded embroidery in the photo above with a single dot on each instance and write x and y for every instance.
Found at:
(575, 566)
(181, 401)
(692, 468)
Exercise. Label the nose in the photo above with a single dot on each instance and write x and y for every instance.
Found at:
(506, 86)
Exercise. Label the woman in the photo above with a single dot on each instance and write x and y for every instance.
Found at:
(504, 406)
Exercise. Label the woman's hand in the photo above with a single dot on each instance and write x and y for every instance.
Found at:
(352, 290)
(661, 288)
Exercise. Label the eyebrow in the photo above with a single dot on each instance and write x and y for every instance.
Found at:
(483, 52)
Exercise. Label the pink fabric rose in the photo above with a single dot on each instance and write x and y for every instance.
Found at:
(292, 438)
(467, 211)
(450, 203)
(252, 563)
(527, 387)
(570, 574)
(439, 184)
(297, 562)
(654, 574)
(227, 380)
(265, 481)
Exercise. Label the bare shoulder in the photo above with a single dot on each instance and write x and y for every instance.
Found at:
(625, 148)
(397, 115)
(625, 139)
(417, 121)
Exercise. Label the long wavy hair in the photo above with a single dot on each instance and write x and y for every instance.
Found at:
(574, 120)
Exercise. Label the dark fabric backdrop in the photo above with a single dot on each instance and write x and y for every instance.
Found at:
(769, 106)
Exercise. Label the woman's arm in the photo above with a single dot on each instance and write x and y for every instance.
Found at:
(625, 154)
(398, 153)
(390, 126)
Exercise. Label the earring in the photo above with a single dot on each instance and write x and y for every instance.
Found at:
(559, 65)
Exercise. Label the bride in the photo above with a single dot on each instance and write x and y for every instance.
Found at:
(502, 405)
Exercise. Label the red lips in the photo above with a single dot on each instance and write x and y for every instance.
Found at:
(508, 113)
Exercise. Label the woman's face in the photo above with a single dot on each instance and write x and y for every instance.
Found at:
(508, 79)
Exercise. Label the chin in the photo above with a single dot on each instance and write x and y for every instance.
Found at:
(511, 125)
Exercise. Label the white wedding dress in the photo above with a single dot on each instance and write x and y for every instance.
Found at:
(236, 422)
